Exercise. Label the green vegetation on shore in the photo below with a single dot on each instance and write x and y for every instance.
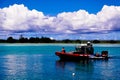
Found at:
(48, 40)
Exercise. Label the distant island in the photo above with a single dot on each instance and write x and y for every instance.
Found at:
(48, 40)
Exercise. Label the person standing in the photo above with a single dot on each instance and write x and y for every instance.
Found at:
(63, 50)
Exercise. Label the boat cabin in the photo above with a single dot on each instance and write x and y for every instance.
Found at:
(84, 49)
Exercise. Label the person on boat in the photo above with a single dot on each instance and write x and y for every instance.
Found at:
(63, 50)
(90, 49)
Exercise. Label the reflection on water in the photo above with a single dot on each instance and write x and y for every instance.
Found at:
(81, 69)
(14, 67)
(92, 69)
(76, 65)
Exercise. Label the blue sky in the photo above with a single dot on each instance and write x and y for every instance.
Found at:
(63, 19)
(53, 7)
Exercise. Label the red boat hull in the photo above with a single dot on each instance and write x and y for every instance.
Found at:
(71, 56)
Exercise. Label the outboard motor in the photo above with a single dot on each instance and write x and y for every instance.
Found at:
(104, 54)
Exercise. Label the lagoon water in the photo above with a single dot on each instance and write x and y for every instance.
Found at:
(38, 62)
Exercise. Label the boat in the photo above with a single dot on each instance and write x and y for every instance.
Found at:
(82, 52)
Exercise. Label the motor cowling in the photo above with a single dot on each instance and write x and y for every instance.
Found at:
(104, 53)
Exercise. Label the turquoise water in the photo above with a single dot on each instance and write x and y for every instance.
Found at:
(38, 62)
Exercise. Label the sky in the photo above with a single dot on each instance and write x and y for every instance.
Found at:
(60, 19)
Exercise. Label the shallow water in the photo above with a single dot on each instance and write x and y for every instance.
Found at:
(38, 62)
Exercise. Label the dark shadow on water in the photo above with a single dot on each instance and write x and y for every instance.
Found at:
(87, 65)
(73, 65)
(83, 69)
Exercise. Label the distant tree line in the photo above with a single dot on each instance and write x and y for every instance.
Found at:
(37, 40)
(26, 40)
(48, 40)
(106, 41)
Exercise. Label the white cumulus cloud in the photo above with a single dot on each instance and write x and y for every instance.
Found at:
(17, 18)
